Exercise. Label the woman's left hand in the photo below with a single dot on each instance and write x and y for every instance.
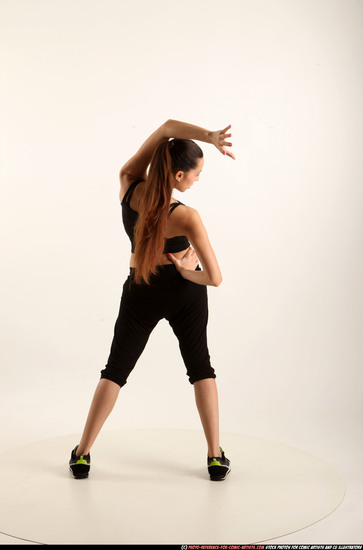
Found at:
(189, 261)
(219, 138)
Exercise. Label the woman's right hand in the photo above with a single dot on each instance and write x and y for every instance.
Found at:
(218, 138)
(188, 262)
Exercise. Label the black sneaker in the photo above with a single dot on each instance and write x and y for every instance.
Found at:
(218, 467)
(79, 465)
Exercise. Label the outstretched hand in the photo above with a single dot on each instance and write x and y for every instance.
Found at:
(218, 138)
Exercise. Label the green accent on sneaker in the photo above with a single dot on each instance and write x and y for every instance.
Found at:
(81, 460)
(215, 462)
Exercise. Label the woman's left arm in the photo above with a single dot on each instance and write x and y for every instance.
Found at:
(184, 130)
(136, 166)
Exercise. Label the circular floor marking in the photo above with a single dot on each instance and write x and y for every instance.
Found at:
(152, 487)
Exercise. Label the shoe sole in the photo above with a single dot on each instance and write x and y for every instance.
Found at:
(80, 471)
(220, 476)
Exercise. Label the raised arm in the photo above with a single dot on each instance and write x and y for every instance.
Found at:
(183, 130)
(136, 166)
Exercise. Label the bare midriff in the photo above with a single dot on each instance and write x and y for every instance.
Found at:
(164, 260)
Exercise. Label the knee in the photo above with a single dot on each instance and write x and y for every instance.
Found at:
(201, 372)
(114, 375)
(191, 380)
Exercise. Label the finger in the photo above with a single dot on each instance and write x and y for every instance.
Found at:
(222, 136)
(171, 257)
(228, 127)
(230, 154)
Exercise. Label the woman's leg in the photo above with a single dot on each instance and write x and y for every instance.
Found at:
(136, 319)
(102, 404)
(188, 317)
(206, 397)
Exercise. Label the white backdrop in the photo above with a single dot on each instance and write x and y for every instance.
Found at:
(84, 82)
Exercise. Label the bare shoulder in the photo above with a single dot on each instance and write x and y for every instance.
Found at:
(186, 215)
(187, 220)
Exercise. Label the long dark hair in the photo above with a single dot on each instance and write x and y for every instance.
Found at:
(149, 234)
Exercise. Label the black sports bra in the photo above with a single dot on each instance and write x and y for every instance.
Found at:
(129, 218)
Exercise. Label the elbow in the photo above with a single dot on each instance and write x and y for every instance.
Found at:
(217, 282)
(123, 172)
(167, 130)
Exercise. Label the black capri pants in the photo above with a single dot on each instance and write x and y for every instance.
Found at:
(169, 296)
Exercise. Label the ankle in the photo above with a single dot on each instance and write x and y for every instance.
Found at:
(216, 454)
(80, 452)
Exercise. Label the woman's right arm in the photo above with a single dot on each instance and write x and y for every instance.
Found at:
(193, 228)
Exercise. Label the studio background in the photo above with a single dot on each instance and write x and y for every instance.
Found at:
(83, 84)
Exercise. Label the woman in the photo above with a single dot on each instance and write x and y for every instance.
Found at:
(165, 280)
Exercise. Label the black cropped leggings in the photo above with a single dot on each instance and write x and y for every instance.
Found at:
(183, 303)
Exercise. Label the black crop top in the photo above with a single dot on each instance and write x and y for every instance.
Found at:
(129, 218)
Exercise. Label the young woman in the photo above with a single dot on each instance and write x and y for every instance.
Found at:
(168, 239)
